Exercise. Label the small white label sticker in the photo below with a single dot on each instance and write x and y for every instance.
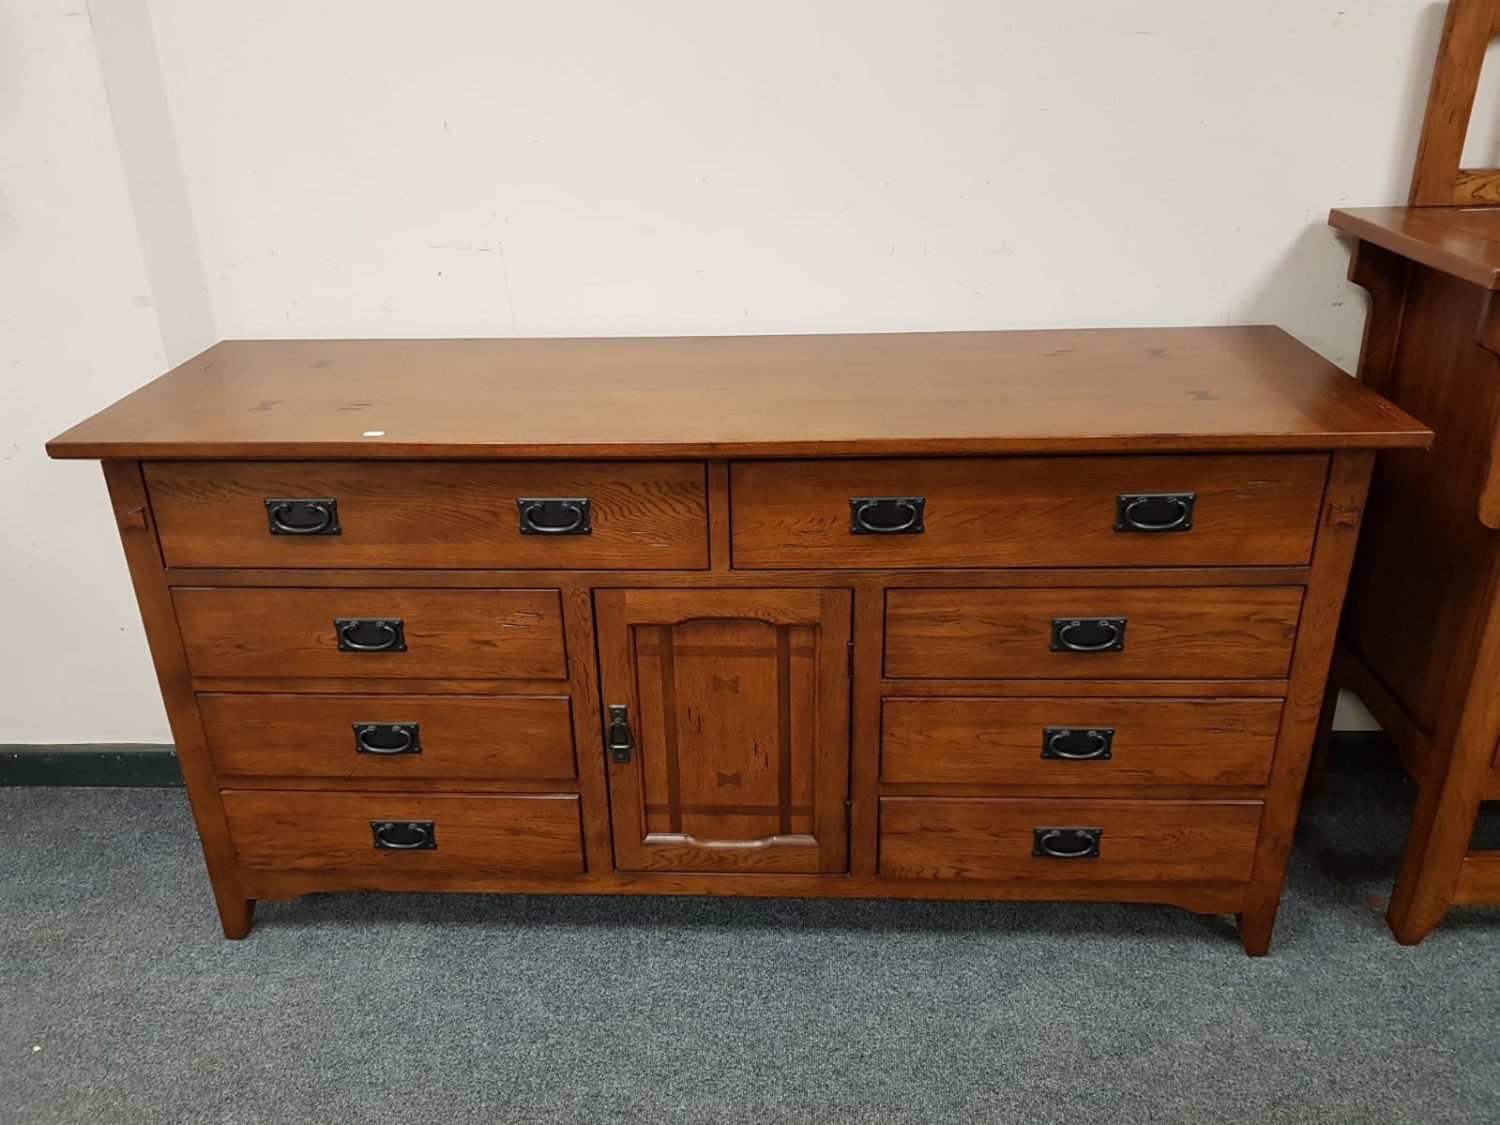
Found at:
(374, 433)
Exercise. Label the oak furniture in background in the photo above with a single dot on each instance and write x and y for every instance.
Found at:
(1421, 640)
(1038, 615)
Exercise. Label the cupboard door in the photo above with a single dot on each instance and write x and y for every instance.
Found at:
(731, 752)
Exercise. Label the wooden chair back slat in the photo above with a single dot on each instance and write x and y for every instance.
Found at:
(1439, 179)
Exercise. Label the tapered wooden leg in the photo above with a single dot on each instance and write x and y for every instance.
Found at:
(1256, 927)
(236, 915)
(1463, 746)
(1440, 830)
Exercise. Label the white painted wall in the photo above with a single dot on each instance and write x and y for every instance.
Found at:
(494, 167)
(78, 328)
(590, 166)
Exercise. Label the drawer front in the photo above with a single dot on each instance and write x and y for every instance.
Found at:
(356, 738)
(1189, 632)
(1028, 511)
(1078, 742)
(330, 837)
(1137, 841)
(446, 634)
(646, 514)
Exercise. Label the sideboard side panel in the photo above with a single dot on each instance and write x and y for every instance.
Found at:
(1426, 555)
(1333, 555)
(132, 508)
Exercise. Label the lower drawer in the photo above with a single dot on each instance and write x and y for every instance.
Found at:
(405, 634)
(1067, 841)
(1161, 633)
(1078, 741)
(361, 737)
(432, 841)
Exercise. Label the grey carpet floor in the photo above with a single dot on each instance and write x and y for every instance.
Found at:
(118, 1002)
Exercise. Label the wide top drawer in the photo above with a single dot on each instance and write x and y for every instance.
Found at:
(1259, 510)
(486, 515)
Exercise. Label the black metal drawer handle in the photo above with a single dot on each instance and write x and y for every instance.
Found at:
(370, 634)
(1155, 511)
(555, 517)
(1060, 743)
(1066, 843)
(404, 835)
(317, 516)
(387, 738)
(886, 515)
(1088, 634)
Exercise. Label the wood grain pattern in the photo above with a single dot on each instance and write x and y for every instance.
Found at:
(1220, 632)
(1478, 879)
(1160, 791)
(1473, 187)
(453, 514)
(718, 519)
(326, 838)
(1185, 390)
(987, 838)
(1028, 511)
(1488, 338)
(1082, 689)
(463, 739)
(475, 786)
(483, 634)
(1157, 742)
(1203, 896)
(1040, 578)
(739, 704)
(372, 684)
(588, 725)
(864, 750)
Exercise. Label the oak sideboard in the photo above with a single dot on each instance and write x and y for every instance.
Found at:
(1026, 615)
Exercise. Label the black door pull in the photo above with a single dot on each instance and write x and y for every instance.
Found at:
(619, 741)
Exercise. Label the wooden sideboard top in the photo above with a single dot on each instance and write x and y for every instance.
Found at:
(1461, 241)
(1095, 390)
